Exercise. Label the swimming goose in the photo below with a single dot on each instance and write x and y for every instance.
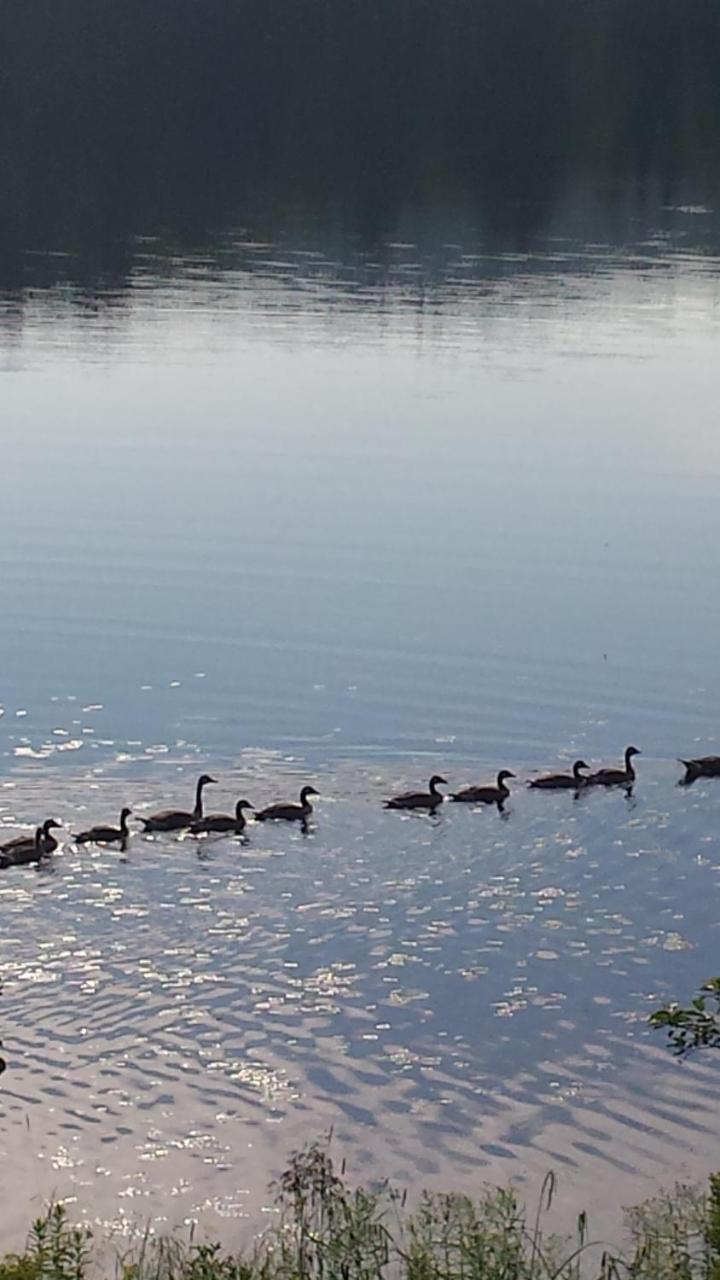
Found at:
(702, 767)
(429, 799)
(562, 781)
(615, 777)
(26, 851)
(223, 821)
(25, 844)
(487, 795)
(290, 812)
(106, 835)
(178, 819)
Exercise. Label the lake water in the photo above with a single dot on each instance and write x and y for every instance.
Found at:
(303, 506)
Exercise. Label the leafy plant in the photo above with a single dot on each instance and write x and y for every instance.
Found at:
(695, 1026)
(55, 1250)
(327, 1230)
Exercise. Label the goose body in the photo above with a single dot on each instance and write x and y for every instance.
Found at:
(289, 812)
(488, 794)
(223, 821)
(562, 781)
(701, 767)
(429, 799)
(105, 835)
(178, 819)
(21, 845)
(616, 777)
(26, 851)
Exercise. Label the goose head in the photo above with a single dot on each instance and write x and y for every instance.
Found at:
(307, 791)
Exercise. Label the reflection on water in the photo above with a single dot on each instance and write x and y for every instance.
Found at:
(112, 126)
(462, 996)
(348, 500)
(446, 501)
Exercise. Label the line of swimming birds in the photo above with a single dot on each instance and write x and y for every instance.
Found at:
(23, 850)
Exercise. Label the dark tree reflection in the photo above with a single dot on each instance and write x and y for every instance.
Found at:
(121, 117)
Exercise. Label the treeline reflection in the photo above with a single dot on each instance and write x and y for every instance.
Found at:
(120, 118)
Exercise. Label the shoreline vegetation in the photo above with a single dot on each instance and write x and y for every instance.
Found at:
(327, 1229)
(693, 1026)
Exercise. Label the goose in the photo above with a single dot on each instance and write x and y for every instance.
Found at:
(25, 844)
(106, 835)
(223, 821)
(177, 819)
(701, 767)
(562, 781)
(487, 795)
(615, 777)
(429, 799)
(26, 851)
(290, 812)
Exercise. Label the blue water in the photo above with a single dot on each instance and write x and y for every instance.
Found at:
(287, 513)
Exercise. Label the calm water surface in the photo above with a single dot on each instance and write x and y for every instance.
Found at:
(301, 509)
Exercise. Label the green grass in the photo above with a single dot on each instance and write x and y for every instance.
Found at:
(326, 1229)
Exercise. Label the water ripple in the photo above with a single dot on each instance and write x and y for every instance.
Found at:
(460, 995)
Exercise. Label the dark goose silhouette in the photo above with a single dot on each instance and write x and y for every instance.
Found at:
(562, 781)
(429, 799)
(178, 819)
(106, 835)
(26, 851)
(25, 844)
(701, 767)
(615, 777)
(289, 812)
(223, 821)
(487, 795)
